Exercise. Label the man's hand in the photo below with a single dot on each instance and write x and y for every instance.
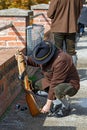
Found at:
(17, 54)
(46, 107)
(20, 53)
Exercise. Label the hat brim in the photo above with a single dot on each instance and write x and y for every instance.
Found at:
(53, 48)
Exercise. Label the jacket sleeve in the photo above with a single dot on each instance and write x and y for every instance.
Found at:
(52, 8)
(31, 62)
(59, 76)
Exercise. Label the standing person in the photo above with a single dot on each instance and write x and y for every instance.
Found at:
(64, 15)
(82, 21)
(81, 26)
(60, 77)
(81, 29)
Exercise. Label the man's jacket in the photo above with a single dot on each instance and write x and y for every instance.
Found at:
(59, 70)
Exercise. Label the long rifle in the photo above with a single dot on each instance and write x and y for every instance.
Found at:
(33, 107)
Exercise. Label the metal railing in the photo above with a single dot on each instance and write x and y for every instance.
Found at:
(31, 17)
(35, 33)
(6, 26)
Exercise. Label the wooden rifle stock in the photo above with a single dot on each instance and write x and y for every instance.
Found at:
(33, 107)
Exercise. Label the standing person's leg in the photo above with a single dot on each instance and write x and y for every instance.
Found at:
(71, 46)
(81, 29)
(59, 38)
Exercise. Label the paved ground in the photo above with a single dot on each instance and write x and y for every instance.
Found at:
(22, 120)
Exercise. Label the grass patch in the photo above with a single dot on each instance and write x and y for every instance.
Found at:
(33, 78)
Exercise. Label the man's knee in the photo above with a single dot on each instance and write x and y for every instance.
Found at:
(64, 89)
(59, 91)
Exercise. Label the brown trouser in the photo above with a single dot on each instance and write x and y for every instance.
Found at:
(67, 39)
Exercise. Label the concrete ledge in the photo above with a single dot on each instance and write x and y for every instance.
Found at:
(15, 12)
(40, 6)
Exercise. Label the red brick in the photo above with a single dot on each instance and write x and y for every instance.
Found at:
(16, 44)
(2, 43)
(14, 33)
(7, 38)
(19, 24)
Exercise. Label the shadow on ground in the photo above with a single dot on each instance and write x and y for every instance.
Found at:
(22, 120)
(19, 119)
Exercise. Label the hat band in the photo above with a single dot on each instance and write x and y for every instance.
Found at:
(44, 57)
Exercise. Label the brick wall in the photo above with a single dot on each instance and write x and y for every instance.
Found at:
(9, 83)
(41, 19)
(11, 39)
(14, 36)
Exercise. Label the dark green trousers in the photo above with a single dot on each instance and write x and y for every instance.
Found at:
(61, 90)
(64, 89)
(69, 39)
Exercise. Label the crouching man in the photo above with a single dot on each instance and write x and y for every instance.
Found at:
(60, 77)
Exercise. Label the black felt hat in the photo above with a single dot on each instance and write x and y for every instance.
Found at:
(43, 52)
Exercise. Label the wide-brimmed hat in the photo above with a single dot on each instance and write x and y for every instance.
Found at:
(43, 52)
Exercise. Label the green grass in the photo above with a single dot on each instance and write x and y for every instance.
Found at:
(33, 78)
